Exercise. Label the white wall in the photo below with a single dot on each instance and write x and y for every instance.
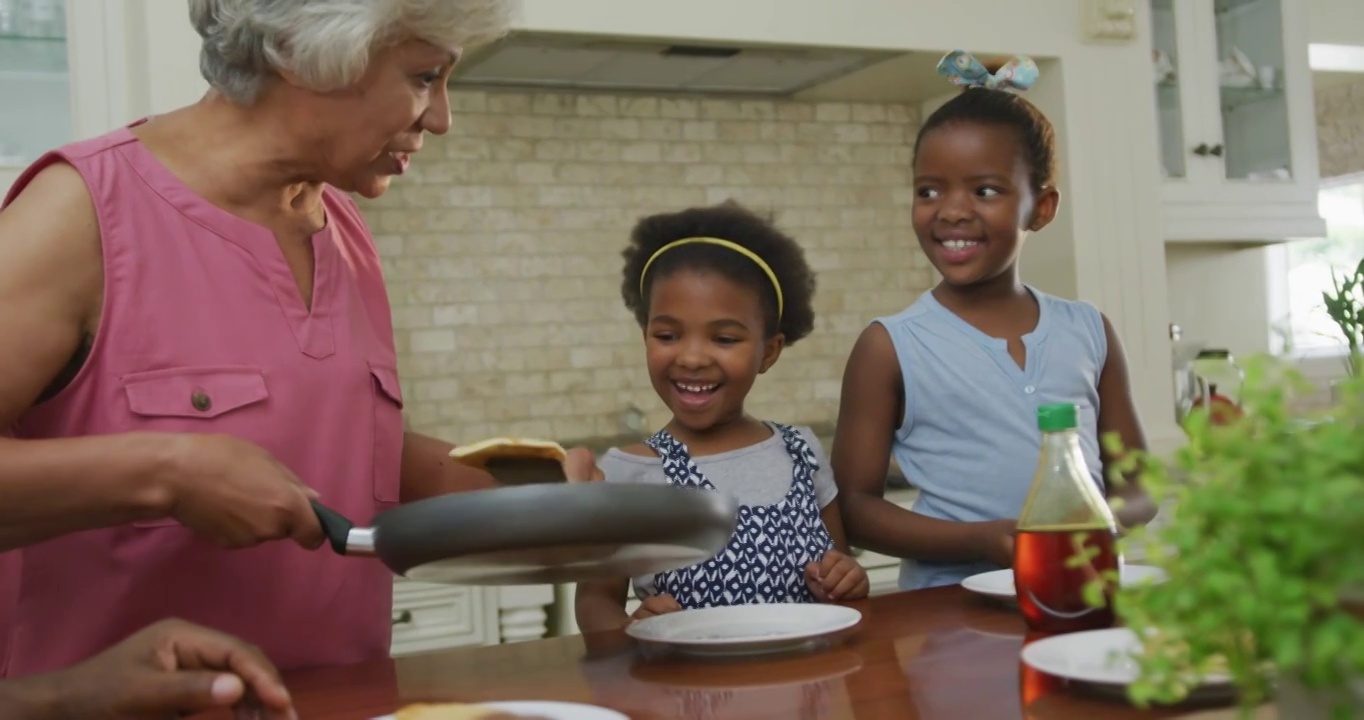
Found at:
(164, 50)
(1335, 22)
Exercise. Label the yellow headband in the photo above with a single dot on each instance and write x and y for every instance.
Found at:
(724, 244)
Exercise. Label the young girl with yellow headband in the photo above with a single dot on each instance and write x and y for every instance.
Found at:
(719, 292)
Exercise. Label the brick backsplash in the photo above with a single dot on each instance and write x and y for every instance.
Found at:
(1340, 129)
(501, 247)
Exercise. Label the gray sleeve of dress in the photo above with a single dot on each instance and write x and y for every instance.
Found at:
(620, 467)
(825, 487)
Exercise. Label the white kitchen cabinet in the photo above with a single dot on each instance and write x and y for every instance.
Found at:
(1233, 97)
(428, 617)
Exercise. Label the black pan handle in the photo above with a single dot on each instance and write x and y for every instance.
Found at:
(334, 525)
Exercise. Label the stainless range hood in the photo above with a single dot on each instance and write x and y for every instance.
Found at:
(557, 61)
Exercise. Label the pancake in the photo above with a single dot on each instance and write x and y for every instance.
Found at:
(453, 711)
(515, 461)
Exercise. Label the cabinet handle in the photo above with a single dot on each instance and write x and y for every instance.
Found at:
(1202, 150)
(402, 617)
(1216, 150)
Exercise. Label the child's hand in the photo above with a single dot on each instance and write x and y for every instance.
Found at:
(660, 604)
(837, 577)
(996, 541)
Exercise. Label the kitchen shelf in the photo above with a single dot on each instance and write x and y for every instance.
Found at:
(22, 54)
(14, 37)
(1234, 98)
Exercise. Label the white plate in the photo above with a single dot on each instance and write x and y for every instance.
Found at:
(745, 629)
(1000, 583)
(549, 710)
(1103, 657)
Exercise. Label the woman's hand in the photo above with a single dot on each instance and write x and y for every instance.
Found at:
(238, 495)
(837, 576)
(167, 669)
(660, 604)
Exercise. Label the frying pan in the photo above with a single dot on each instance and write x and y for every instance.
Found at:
(541, 534)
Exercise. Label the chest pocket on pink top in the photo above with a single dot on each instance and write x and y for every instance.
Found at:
(206, 393)
(198, 392)
(388, 432)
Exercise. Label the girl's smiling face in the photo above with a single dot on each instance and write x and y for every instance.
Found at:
(973, 203)
(705, 343)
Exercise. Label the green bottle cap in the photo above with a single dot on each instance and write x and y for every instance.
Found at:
(1057, 417)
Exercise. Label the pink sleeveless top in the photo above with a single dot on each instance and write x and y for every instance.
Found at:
(204, 331)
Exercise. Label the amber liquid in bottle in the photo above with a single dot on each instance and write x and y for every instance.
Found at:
(1066, 537)
(1051, 594)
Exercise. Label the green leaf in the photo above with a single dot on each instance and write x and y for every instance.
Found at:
(1094, 594)
(1288, 651)
(1263, 540)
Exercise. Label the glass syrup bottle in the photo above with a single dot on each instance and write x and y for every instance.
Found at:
(1065, 515)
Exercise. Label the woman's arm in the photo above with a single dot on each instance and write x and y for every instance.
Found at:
(51, 290)
(51, 284)
(429, 471)
(1118, 414)
(869, 412)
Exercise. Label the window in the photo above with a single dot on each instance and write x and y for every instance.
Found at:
(1302, 270)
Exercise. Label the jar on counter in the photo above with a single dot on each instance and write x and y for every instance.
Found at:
(1215, 366)
(1219, 383)
(1182, 354)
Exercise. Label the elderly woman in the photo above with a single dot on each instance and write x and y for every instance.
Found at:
(198, 340)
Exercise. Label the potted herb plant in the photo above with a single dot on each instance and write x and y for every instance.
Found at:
(1345, 306)
(1264, 551)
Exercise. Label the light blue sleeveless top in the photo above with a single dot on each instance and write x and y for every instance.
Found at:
(969, 439)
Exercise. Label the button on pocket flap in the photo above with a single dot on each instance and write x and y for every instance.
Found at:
(386, 378)
(197, 392)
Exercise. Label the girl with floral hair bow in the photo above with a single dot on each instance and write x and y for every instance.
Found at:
(950, 386)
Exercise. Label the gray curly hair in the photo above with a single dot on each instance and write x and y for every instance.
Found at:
(327, 43)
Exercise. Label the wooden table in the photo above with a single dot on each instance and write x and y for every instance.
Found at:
(940, 654)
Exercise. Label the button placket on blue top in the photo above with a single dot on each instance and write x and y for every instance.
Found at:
(1025, 378)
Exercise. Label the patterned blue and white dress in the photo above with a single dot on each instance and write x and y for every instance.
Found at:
(765, 559)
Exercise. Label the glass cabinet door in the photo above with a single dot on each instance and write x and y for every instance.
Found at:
(1169, 111)
(34, 80)
(1254, 106)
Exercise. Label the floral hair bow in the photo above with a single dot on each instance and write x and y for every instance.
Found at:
(962, 68)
